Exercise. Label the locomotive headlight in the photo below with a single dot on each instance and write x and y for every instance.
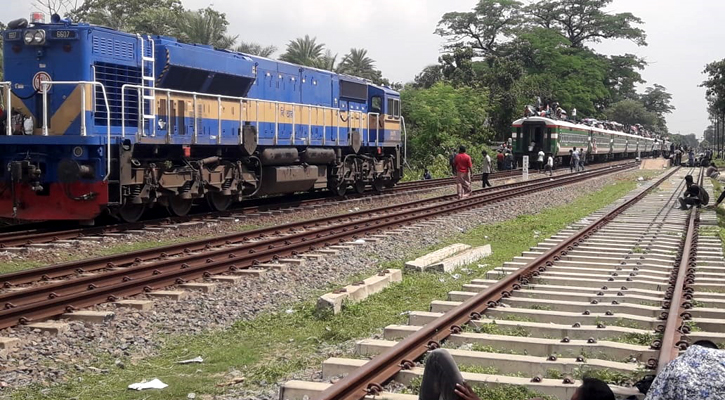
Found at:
(28, 37)
(39, 37)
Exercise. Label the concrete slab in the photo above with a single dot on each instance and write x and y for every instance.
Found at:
(139, 305)
(91, 317)
(275, 266)
(225, 279)
(438, 255)
(54, 328)
(7, 344)
(294, 261)
(358, 291)
(459, 260)
(175, 295)
(200, 286)
(252, 273)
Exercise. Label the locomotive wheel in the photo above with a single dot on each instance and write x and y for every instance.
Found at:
(218, 201)
(180, 207)
(131, 212)
(359, 187)
(338, 189)
(379, 185)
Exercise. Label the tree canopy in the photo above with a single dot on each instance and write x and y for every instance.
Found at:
(256, 49)
(715, 87)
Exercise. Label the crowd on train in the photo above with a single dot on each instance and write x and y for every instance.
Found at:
(554, 110)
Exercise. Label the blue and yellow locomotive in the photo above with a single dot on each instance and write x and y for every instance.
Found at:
(104, 120)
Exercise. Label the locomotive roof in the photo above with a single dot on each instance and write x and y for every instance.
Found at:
(567, 124)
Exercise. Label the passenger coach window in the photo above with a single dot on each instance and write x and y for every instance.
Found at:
(376, 104)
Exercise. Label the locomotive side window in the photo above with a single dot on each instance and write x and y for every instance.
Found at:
(376, 104)
(396, 108)
(391, 108)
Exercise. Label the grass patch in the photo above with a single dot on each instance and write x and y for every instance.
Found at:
(275, 344)
(640, 339)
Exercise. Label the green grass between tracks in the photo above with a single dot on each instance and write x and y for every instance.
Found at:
(277, 344)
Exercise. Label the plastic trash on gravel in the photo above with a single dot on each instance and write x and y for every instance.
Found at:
(359, 241)
(152, 384)
(192, 361)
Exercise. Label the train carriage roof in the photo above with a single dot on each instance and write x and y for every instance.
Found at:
(566, 124)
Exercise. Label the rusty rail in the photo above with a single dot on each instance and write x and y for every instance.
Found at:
(369, 379)
(679, 294)
(89, 265)
(64, 296)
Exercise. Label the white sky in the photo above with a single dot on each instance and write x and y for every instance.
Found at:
(682, 36)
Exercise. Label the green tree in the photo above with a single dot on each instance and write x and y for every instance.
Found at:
(715, 86)
(158, 17)
(326, 61)
(206, 26)
(584, 21)
(623, 76)
(255, 49)
(430, 75)
(483, 28)
(656, 100)
(303, 51)
(443, 117)
(60, 7)
(709, 134)
(630, 112)
(705, 144)
(357, 63)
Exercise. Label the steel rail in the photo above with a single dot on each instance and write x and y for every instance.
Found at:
(368, 379)
(88, 265)
(679, 295)
(37, 236)
(83, 292)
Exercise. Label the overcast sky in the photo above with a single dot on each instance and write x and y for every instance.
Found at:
(682, 37)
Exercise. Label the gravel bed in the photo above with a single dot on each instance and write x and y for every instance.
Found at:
(78, 249)
(47, 360)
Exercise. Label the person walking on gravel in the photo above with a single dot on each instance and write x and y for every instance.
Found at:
(463, 166)
(486, 169)
(549, 165)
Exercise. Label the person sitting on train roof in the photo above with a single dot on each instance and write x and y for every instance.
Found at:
(442, 380)
(698, 374)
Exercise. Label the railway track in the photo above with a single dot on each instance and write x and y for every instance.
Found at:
(37, 234)
(615, 296)
(41, 293)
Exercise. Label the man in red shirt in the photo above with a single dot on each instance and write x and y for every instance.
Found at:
(464, 166)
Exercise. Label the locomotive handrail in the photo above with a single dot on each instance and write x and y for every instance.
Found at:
(8, 108)
(83, 113)
(277, 104)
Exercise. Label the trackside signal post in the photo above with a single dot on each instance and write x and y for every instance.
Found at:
(525, 168)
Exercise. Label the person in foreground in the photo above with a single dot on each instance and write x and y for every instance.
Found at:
(442, 380)
(698, 374)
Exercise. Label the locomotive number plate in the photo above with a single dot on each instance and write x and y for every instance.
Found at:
(64, 34)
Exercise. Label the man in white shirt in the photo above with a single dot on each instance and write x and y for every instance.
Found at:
(550, 165)
(540, 161)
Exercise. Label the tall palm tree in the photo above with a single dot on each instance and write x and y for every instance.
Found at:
(255, 49)
(326, 61)
(303, 51)
(357, 63)
(206, 26)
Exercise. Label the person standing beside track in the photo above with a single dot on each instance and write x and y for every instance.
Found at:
(575, 159)
(499, 160)
(464, 167)
(540, 160)
(549, 165)
(486, 170)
